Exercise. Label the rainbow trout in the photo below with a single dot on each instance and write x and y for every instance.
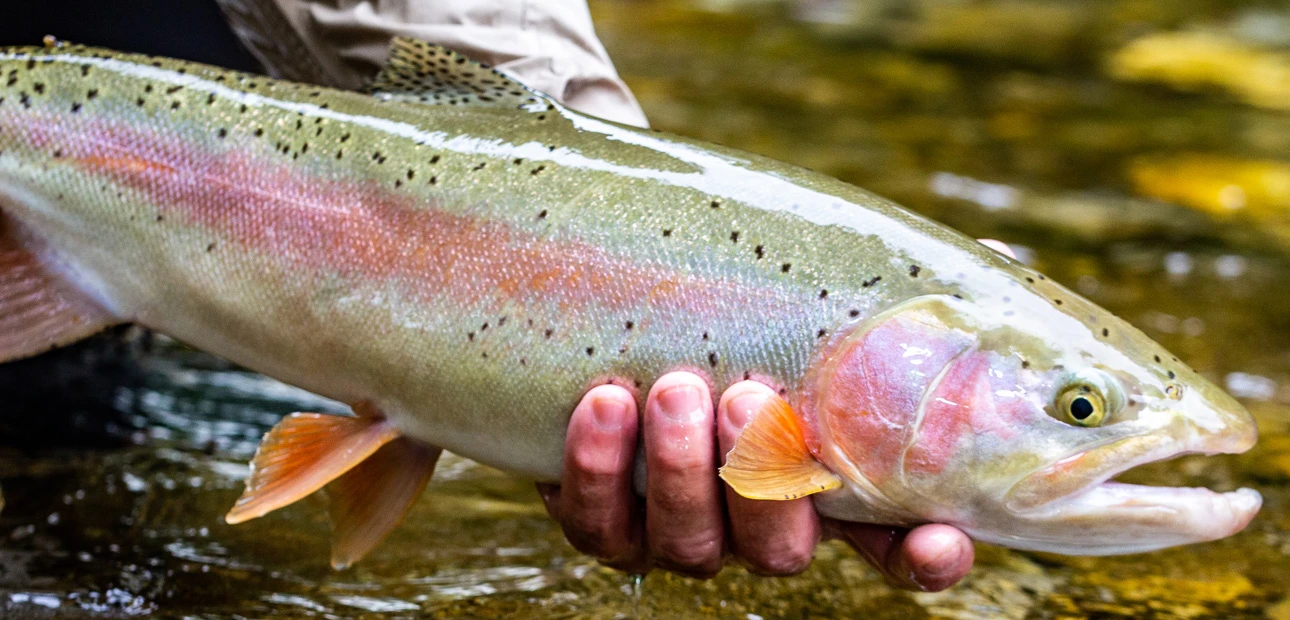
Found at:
(461, 258)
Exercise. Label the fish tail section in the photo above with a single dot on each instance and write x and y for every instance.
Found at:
(372, 475)
(39, 309)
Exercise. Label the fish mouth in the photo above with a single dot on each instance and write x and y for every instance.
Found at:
(1078, 491)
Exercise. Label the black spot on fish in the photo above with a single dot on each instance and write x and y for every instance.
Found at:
(1105, 332)
(479, 167)
(24, 99)
(591, 351)
(535, 171)
(785, 267)
(210, 247)
(706, 337)
(1025, 363)
(344, 137)
(91, 94)
(174, 105)
(1157, 358)
(854, 313)
(85, 70)
(434, 180)
(501, 321)
(715, 204)
(470, 336)
(667, 232)
(259, 131)
(147, 88)
(871, 281)
(524, 362)
(548, 333)
(411, 173)
(913, 271)
(39, 87)
(1057, 301)
(1171, 374)
(1030, 279)
(824, 293)
(760, 251)
(160, 217)
(433, 160)
(242, 109)
(734, 236)
(76, 107)
(542, 214)
(210, 99)
(173, 89)
(712, 359)
(484, 327)
(340, 153)
(630, 325)
(517, 161)
(822, 333)
(59, 153)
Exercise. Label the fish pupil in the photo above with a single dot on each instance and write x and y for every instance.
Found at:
(1081, 408)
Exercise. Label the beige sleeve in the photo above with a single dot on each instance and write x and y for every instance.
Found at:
(550, 45)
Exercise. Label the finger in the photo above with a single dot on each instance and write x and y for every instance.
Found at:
(595, 504)
(999, 246)
(683, 514)
(928, 558)
(771, 537)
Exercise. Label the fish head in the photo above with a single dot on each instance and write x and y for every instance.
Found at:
(1011, 426)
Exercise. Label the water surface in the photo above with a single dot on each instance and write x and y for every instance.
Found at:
(1071, 130)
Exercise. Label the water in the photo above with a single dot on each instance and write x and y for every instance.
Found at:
(1163, 200)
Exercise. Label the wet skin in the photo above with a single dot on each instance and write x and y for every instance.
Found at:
(688, 534)
(682, 527)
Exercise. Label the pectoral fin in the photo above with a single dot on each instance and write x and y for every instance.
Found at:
(770, 459)
(372, 475)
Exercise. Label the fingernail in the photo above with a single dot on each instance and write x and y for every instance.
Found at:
(680, 403)
(740, 408)
(610, 413)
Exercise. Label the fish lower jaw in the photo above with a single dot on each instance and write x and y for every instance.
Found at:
(1164, 516)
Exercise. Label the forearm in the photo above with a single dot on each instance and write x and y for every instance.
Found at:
(550, 45)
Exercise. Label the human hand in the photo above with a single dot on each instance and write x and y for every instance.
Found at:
(689, 521)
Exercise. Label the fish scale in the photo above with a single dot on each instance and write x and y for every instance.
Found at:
(465, 257)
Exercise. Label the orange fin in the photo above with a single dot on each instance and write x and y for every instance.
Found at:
(38, 310)
(368, 501)
(770, 459)
(301, 454)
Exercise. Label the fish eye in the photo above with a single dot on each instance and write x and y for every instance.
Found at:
(1081, 405)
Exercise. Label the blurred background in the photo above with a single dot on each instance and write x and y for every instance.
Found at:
(1138, 151)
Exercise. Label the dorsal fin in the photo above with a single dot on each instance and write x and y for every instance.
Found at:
(425, 73)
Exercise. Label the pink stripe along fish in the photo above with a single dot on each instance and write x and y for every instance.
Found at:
(461, 258)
